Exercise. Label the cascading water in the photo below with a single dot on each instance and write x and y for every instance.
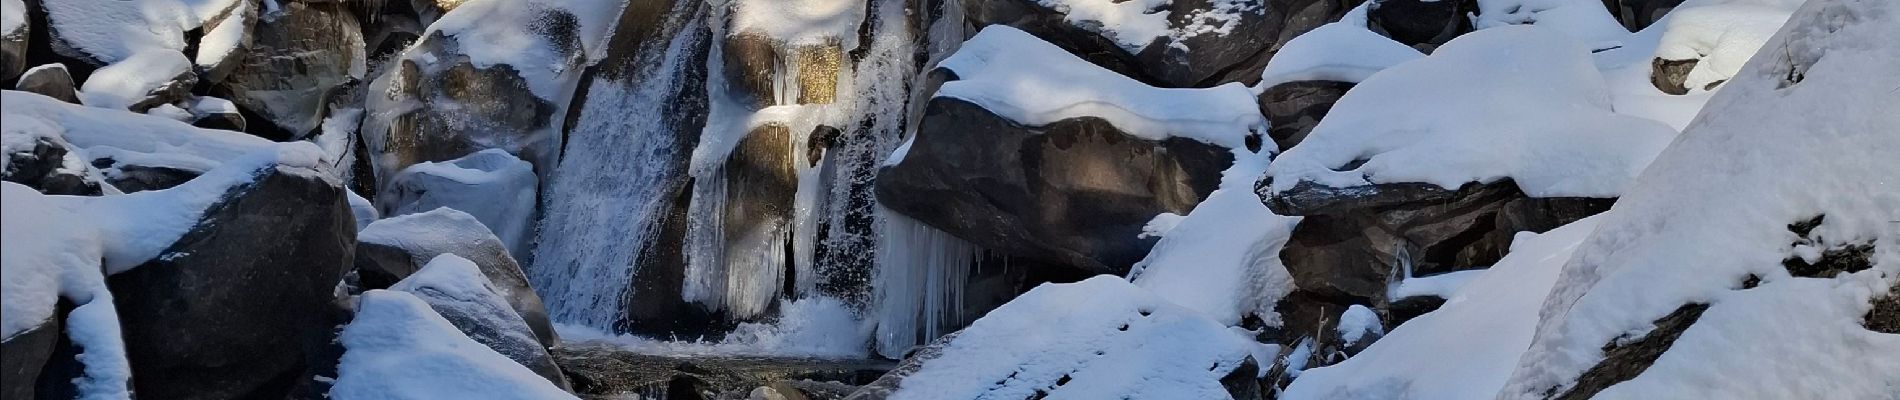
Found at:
(614, 182)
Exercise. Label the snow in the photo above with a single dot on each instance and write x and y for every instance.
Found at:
(398, 348)
(1465, 349)
(114, 30)
(1584, 20)
(1160, 225)
(1723, 34)
(1356, 322)
(1135, 24)
(1223, 259)
(125, 137)
(1442, 286)
(1101, 338)
(222, 41)
(814, 327)
(800, 22)
(12, 16)
(120, 85)
(492, 185)
(1714, 209)
(1339, 51)
(990, 73)
(1518, 102)
(138, 226)
(50, 251)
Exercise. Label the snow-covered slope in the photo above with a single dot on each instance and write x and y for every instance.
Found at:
(1805, 130)
(1223, 259)
(398, 348)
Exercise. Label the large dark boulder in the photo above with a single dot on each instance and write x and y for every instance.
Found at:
(232, 309)
(392, 249)
(1421, 23)
(1175, 59)
(1074, 193)
(298, 56)
(27, 355)
(458, 290)
(13, 48)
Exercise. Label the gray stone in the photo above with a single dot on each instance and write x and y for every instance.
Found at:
(1293, 109)
(47, 166)
(297, 58)
(458, 290)
(51, 80)
(392, 249)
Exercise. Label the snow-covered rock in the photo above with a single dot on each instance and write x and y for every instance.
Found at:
(1173, 43)
(104, 32)
(488, 74)
(491, 185)
(140, 82)
(1705, 42)
(234, 305)
(1000, 143)
(392, 249)
(135, 152)
(1698, 284)
(1303, 81)
(299, 53)
(1095, 339)
(398, 348)
(1586, 21)
(1525, 103)
(456, 288)
(1467, 348)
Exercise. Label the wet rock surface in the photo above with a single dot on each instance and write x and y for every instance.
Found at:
(602, 372)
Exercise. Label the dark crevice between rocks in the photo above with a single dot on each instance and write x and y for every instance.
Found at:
(1624, 360)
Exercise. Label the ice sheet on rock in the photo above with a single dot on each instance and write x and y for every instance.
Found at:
(1520, 102)
(123, 136)
(1465, 349)
(1339, 51)
(1442, 286)
(800, 22)
(491, 185)
(114, 30)
(1585, 20)
(1101, 338)
(398, 348)
(814, 327)
(123, 83)
(1804, 130)
(1030, 81)
(1223, 259)
(1723, 34)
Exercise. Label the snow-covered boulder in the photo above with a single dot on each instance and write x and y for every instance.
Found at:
(13, 38)
(1314, 70)
(299, 53)
(1424, 23)
(1062, 162)
(1705, 42)
(1467, 348)
(215, 113)
(1172, 43)
(803, 40)
(456, 288)
(232, 307)
(488, 74)
(1223, 259)
(491, 185)
(398, 348)
(141, 82)
(96, 33)
(1703, 281)
(135, 152)
(1101, 338)
(392, 249)
(51, 80)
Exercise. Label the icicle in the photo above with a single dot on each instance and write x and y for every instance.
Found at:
(705, 281)
(918, 282)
